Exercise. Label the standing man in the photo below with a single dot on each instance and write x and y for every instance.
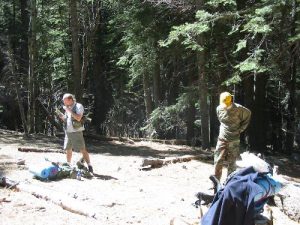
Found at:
(234, 119)
(74, 129)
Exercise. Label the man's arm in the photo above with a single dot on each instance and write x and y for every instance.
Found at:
(60, 114)
(76, 116)
(79, 112)
(245, 118)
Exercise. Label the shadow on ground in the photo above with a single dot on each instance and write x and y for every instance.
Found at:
(120, 149)
(43, 141)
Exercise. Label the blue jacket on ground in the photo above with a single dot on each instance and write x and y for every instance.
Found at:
(234, 204)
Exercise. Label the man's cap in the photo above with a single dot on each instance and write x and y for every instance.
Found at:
(68, 95)
(226, 99)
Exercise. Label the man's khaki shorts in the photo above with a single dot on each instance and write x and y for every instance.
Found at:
(74, 140)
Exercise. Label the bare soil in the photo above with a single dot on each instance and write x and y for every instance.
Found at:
(120, 193)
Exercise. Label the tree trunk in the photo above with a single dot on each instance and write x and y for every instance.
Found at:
(85, 59)
(24, 61)
(258, 120)
(203, 90)
(173, 82)
(147, 95)
(248, 93)
(75, 82)
(191, 116)
(222, 75)
(291, 85)
(90, 31)
(103, 96)
(21, 108)
(203, 102)
(214, 124)
(32, 69)
(156, 84)
(17, 89)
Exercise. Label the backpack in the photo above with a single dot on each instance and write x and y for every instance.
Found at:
(84, 119)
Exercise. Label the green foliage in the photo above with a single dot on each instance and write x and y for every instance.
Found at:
(252, 63)
(236, 79)
(241, 45)
(264, 11)
(53, 35)
(171, 120)
(294, 38)
(203, 16)
(165, 121)
(217, 3)
(138, 40)
(125, 117)
(257, 25)
(188, 33)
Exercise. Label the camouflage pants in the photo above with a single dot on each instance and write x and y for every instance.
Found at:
(226, 152)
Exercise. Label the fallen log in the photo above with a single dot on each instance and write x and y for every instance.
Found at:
(39, 150)
(12, 162)
(4, 200)
(67, 203)
(157, 163)
(7, 183)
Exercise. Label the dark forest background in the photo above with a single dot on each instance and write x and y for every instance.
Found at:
(153, 69)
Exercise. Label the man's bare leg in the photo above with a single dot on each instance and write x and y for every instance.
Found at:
(69, 155)
(86, 157)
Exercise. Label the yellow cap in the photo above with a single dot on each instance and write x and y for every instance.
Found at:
(225, 99)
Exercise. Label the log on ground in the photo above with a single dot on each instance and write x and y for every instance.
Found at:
(157, 163)
(67, 203)
(40, 150)
(7, 183)
(12, 162)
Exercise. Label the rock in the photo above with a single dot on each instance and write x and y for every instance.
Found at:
(288, 201)
(265, 218)
(295, 157)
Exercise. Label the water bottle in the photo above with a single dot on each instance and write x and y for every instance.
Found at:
(78, 175)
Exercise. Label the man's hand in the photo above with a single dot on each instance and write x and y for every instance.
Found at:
(67, 109)
(60, 114)
(74, 115)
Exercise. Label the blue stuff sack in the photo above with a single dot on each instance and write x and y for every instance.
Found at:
(45, 173)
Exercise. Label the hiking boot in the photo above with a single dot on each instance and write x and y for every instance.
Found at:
(80, 164)
(90, 169)
(261, 220)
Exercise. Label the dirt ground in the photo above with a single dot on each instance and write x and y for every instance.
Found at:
(121, 193)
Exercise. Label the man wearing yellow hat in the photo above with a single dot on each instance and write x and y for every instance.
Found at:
(234, 119)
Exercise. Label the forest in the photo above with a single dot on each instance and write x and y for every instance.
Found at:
(153, 68)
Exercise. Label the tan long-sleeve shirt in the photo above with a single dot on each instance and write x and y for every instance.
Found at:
(234, 120)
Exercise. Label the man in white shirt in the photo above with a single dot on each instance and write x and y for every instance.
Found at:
(74, 129)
